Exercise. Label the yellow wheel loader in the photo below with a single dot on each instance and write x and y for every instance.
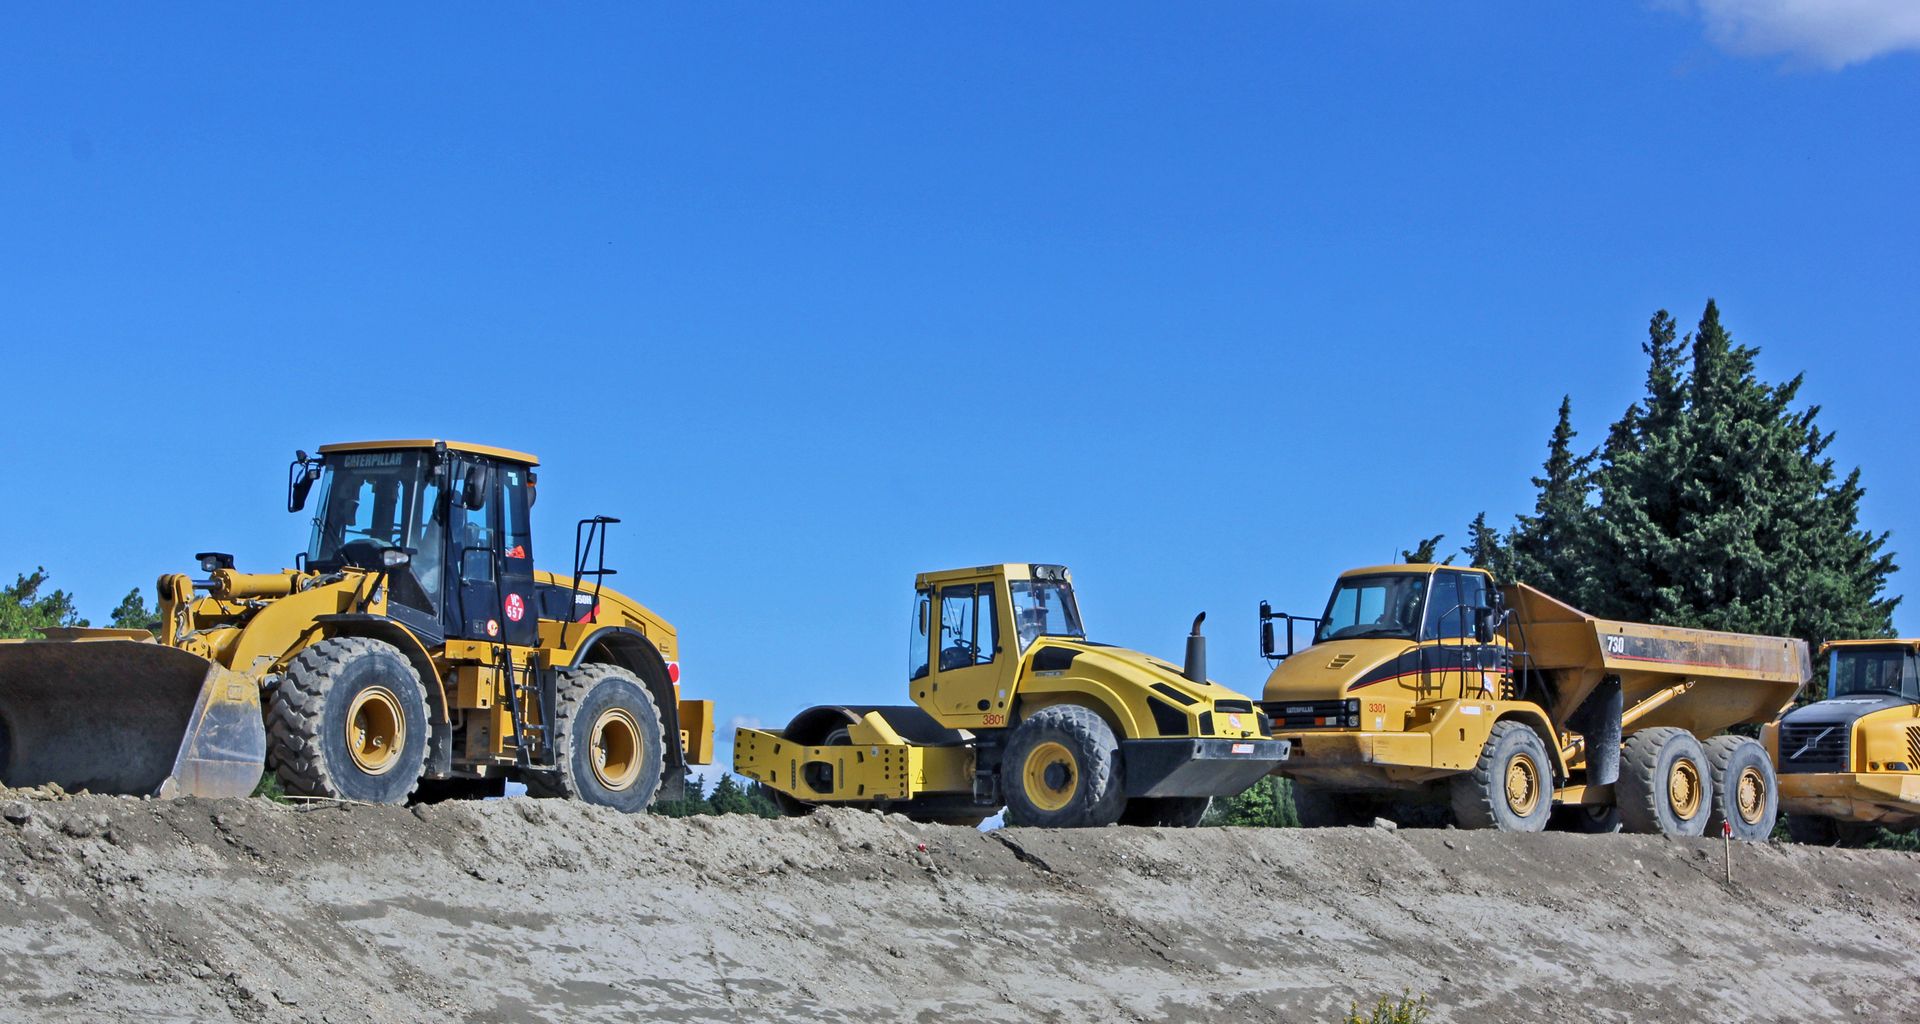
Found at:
(1429, 684)
(1850, 764)
(412, 652)
(1013, 705)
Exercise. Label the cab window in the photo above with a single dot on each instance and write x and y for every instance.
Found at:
(969, 633)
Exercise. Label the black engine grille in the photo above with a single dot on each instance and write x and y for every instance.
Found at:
(1308, 714)
(1814, 747)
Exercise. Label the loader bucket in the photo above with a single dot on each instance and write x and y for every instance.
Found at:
(128, 717)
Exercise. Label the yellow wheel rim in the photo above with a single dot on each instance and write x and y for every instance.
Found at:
(376, 730)
(616, 748)
(1750, 795)
(1683, 788)
(1523, 785)
(1051, 776)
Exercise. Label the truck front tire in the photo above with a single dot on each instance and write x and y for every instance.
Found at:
(349, 721)
(1511, 787)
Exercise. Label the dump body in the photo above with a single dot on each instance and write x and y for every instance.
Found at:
(1730, 678)
(1008, 652)
(1401, 694)
(1854, 758)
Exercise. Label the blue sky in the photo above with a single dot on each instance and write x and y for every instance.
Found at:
(1206, 303)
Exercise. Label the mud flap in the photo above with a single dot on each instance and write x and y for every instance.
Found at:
(127, 717)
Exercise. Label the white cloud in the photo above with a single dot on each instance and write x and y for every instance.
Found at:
(1828, 33)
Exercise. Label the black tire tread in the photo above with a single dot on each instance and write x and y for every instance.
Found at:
(1475, 792)
(571, 689)
(296, 750)
(1720, 751)
(1089, 731)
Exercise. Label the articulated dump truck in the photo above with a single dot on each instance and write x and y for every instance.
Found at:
(413, 652)
(1850, 764)
(1430, 684)
(1013, 705)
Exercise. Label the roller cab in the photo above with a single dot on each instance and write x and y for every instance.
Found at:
(1013, 705)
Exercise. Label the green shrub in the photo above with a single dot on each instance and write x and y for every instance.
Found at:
(1408, 1009)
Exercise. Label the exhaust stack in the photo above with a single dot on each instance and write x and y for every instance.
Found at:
(1196, 666)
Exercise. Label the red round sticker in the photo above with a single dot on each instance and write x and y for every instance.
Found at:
(516, 608)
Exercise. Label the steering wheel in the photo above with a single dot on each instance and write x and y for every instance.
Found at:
(960, 655)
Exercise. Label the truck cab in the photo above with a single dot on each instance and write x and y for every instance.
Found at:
(1850, 764)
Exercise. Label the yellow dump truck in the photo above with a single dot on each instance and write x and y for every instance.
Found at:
(1431, 684)
(412, 652)
(1850, 764)
(1013, 705)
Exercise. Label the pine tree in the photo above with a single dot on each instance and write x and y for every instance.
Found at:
(133, 613)
(1548, 549)
(760, 800)
(729, 798)
(24, 611)
(1712, 503)
(1423, 553)
(1487, 549)
(695, 801)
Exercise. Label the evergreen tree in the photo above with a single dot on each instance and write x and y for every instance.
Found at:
(1718, 506)
(1423, 553)
(1548, 549)
(695, 802)
(24, 611)
(728, 798)
(760, 800)
(133, 612)
(1487, 549)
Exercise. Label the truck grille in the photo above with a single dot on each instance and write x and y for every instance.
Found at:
(1311, 714)
(1814, 747)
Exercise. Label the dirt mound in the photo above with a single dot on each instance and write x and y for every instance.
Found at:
(521, 910)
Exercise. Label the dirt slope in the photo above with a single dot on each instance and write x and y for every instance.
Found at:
(520, 910)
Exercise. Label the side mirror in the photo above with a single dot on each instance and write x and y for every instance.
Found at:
(473, 493)
(1266, 630)
(300, 478)
(1483, 624)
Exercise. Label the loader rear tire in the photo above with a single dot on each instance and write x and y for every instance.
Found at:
(1061, 769)
(607, 741)
(349, 721)
(1746, 793)
(1166, 811)
(1666, 783)
(1317, 807)
(1511, 787)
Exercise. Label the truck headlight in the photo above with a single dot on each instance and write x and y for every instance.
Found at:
(1353, 712)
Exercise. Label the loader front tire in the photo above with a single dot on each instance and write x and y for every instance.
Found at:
(1746, 794)
(1166, 811)
(1061, 769)
(607, 741)
(1511, 787)
(1666, 783)
(349, 722)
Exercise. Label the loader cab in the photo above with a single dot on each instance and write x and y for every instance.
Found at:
(448, 523)
(972, 628)
(1887, 669)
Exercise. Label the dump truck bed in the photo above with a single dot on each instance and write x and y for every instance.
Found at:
(1725, 679)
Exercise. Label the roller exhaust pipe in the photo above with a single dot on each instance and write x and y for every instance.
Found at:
(1196, 666)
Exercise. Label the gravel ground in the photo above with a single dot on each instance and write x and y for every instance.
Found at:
(520, 910)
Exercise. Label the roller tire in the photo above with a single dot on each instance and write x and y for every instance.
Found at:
(1731, 757)
(1481, 797)
(1332, 808)
(1646, 762)
(307, 722)
(583, 695)
(1098, 794)
(1166, 811)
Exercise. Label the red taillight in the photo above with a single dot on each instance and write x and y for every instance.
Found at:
(673, 671)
